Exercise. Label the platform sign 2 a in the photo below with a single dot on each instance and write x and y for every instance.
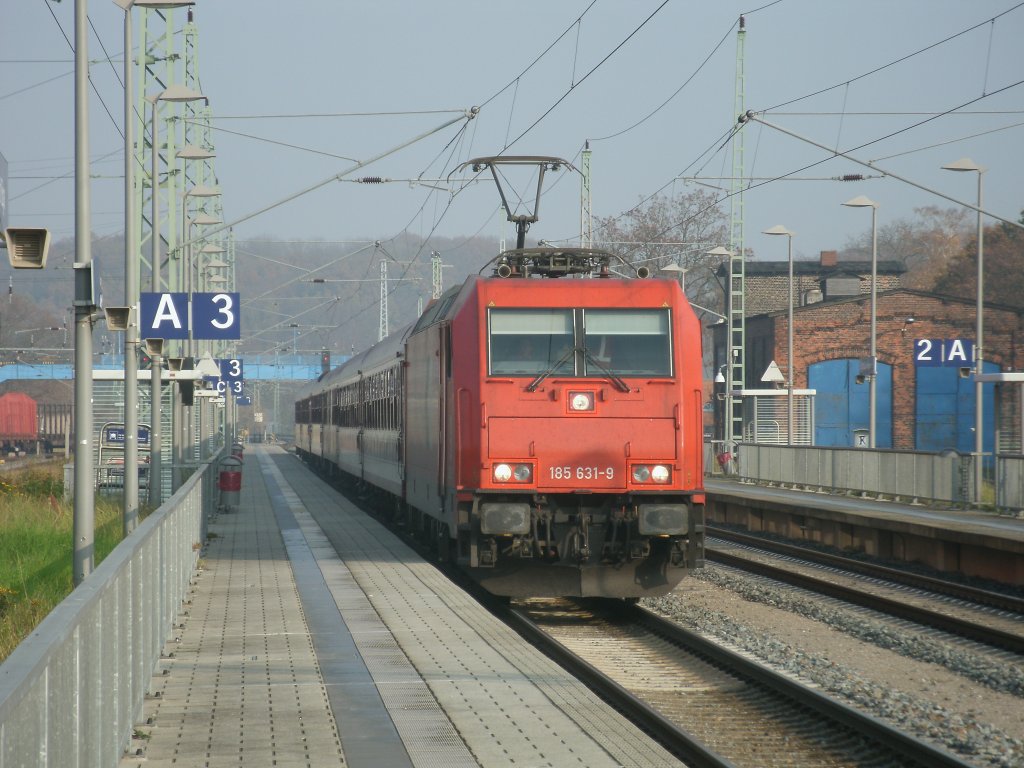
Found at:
(172, 315)
(937, 353)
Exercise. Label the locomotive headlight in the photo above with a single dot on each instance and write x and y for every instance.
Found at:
(516, 473)
(581, 401)
(651, 473)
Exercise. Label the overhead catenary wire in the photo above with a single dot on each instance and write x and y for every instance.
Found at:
(467, 115)
(898, 60)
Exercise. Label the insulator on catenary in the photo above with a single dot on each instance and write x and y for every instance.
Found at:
(852, 177)
(371, 180)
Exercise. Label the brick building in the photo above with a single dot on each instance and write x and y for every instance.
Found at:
(924, 350)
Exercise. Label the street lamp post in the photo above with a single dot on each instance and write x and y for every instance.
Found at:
(778, 229)
(966, 164)
(863, 202)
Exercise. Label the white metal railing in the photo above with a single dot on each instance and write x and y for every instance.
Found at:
(1010, 481)
(904, 475)
(72, 691)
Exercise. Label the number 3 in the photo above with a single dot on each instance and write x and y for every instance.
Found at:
(224, 311)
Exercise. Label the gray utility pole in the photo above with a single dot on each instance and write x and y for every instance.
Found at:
(130, 515)
(84, 504)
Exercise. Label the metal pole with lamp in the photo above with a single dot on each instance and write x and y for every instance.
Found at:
(966, 164)
(778, 229)
(84, 503)
(863, 202)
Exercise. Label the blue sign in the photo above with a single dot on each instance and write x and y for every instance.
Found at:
(937, 353)
(171, 316)
(216, 316)
(163, 316)
(113, 434)
(231, 369)
(244, 400)
(230, 379)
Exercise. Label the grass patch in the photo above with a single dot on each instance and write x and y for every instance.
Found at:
(36, 547)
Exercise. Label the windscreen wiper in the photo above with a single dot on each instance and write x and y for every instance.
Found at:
(532, 386)
(616, 380)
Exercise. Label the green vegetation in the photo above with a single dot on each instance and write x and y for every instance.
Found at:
(36, 547)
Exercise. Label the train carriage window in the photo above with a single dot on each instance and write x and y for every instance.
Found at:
(628, 342)
(527, 342)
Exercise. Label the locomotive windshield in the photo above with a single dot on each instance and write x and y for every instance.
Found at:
(581, 342)
(530, 341)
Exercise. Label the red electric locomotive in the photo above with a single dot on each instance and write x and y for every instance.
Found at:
(544, 433)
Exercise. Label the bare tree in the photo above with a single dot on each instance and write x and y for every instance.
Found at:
(1004, 281)
(926, 245)
(672, 230)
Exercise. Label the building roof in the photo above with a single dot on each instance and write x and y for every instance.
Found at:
(775, 268)
(944, 298)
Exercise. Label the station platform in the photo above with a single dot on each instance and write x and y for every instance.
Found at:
(315, 637)
(969, 541)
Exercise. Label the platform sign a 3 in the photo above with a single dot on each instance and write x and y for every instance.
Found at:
(207, 315)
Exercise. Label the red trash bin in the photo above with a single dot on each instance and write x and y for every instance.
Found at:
(229, 481)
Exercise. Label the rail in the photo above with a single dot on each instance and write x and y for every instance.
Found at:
(72, 691)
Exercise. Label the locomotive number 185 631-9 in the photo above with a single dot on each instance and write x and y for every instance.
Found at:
(568, 472)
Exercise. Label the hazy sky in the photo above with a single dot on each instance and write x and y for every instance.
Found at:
(883, 72)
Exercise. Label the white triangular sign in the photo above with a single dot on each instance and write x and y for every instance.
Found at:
(772, 374)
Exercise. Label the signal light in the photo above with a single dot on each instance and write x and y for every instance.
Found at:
(325, 361)
(145, 361)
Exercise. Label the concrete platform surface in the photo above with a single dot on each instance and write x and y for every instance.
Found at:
(315, 637)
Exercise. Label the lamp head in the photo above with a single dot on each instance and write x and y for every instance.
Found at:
(778, 229)
(860, 202)
(719, 250)
(963, 164)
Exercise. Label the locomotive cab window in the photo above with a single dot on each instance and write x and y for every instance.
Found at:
(622, 342)
(527, 342)
(628, 342)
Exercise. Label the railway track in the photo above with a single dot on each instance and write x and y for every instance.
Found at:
(990, 618)
(709, 705)
(758, 726)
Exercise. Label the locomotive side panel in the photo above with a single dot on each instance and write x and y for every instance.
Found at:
(423, 421)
